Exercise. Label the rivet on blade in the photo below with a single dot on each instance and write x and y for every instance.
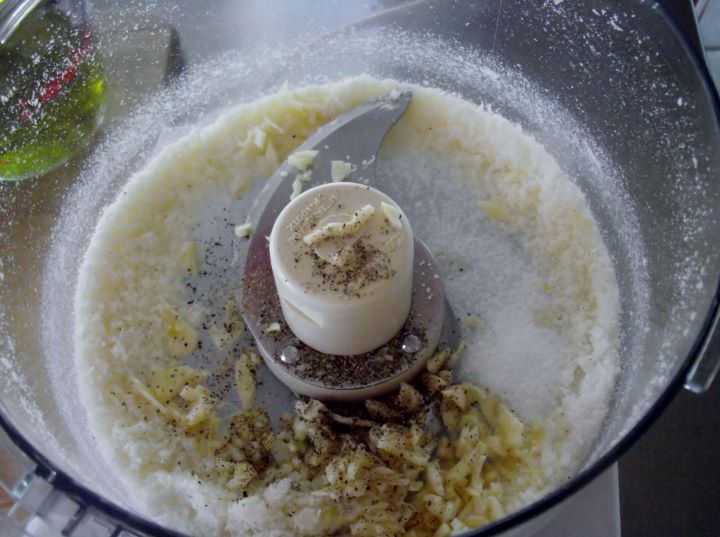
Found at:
(289, 354)
(411, 344)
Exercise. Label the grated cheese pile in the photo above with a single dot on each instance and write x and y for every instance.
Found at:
(209, 462)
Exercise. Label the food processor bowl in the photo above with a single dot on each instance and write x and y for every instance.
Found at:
(617, 93)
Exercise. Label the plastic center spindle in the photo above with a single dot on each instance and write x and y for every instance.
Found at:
(342, 261)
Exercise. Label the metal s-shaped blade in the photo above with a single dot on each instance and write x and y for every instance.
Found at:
(354, 137)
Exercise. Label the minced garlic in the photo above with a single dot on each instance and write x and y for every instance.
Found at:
(336, 230)
(340, 170)
(302, 160)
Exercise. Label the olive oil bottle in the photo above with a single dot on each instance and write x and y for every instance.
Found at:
(52, 90)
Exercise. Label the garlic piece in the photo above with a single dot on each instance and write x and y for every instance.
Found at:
(392, 215)
(260, 138)
(302, 160)
(299, 182)
(336, 230)
(273, 328)
(245, 380)
(244, 231)
(340, 170)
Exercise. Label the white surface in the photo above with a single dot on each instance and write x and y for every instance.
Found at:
(323, 310)
(592, 512)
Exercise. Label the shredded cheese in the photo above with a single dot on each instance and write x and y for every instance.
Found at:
(336, 230)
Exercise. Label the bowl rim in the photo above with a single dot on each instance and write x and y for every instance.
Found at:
(132, 522)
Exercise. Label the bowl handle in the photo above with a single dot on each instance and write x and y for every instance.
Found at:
(707, 364)
(700, 6)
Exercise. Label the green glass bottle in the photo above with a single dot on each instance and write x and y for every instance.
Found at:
(52, 90)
